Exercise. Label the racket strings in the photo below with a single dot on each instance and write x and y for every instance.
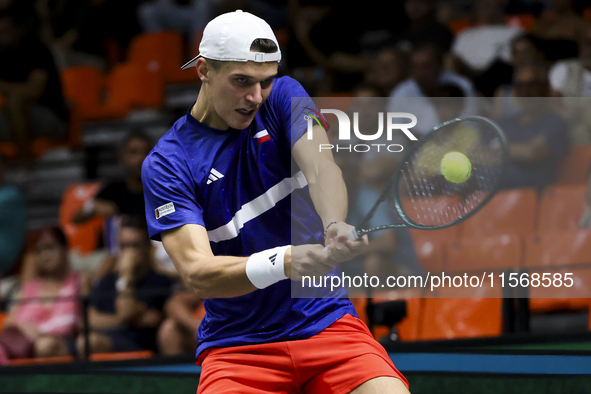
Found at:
(427, 197)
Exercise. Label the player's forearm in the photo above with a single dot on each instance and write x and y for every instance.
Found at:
(329, 193)
(217, 276)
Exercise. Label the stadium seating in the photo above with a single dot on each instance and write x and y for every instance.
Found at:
(558, 248)
(429, 248)
(447, 318)
(508, 212)
(574, 167)
(561, 208)
(81, 238)
(3, 317)
(131, 86)
(478, 253)
(558, 252)
(121, 356)
(161, 52)
(85, 88)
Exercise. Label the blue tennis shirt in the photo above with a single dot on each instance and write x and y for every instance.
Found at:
(244, 187)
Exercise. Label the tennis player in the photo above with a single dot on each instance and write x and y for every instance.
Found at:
(228, 189)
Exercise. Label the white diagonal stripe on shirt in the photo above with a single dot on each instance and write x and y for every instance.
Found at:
(257, 207)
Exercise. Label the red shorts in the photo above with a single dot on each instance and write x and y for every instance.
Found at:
(336, 360)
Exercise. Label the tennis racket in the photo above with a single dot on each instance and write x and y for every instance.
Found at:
(422, 197)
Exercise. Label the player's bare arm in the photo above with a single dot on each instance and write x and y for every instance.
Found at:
(212, 276)
(207, 275)
(328, 193)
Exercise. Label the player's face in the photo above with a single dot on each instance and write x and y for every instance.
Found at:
(237, 90)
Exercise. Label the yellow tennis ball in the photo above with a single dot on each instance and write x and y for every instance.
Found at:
(456, 167)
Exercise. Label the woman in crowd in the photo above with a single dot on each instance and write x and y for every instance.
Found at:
(46, 310)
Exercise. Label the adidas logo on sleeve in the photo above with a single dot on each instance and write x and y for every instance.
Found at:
(214, 175)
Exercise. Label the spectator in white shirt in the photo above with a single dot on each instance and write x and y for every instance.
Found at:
(571, 79)
(427, 75)
(477, 48)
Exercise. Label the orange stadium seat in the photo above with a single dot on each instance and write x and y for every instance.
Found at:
(85, 87)
(41, 360)
(494, 252)
(457, 25)
(574, 166)
(408, 328)
(9, 150)
(509, 211)
(429, 248)
(447, 318)
(131, 86)
(83, 238)
(560, 252)
(561, 207)
(3, 317)
(558, 248)
(161, 52)
(121, 356)
(523, 21)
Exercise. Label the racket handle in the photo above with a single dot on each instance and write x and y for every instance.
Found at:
(352, 235)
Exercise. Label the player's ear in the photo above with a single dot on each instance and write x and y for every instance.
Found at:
(204, 69)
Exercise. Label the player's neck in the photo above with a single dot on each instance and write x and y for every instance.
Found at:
(205, 113)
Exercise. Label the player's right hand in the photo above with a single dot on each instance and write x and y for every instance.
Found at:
(307, 260)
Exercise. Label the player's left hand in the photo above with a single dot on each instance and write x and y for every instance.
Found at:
(341, 248)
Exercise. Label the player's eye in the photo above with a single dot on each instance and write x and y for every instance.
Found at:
(266, 83)
(241, 80)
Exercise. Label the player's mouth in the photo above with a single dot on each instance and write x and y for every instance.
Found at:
(246, 112)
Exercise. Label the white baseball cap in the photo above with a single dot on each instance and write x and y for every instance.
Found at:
(229, 36)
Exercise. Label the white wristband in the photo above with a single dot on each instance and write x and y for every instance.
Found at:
(266, 267)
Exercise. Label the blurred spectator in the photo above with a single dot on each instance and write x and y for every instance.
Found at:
(572, 79)
(585, 221)
(525, 49)
(342, 55)
(188, 17)
(101, 28)
(40, 328)
(423, 26)
(61, 23)
(537, 136)
(387, 69)
(389, 252)
(178, 333)
(30, 83)
(476, 49)
(124, 196)
(427, 76)
(126, 305)
(562, 22)
(13, 226)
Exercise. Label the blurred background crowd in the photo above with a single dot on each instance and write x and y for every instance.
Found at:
(88, 86)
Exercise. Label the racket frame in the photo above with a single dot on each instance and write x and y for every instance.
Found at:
(392, 185)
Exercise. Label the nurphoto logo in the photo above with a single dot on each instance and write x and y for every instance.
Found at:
(391, 119)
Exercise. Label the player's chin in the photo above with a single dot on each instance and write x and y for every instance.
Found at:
(241, 121)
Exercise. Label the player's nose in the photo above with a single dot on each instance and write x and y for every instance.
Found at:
(255, 96)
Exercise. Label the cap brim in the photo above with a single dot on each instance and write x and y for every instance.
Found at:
(190, 63)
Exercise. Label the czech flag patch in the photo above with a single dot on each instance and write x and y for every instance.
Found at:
(261, 136)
